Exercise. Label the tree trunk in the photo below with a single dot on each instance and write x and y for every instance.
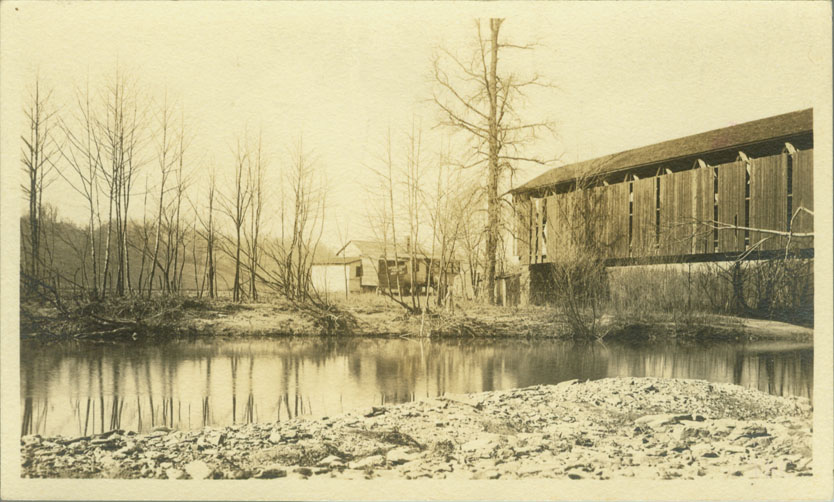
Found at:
(492, 185)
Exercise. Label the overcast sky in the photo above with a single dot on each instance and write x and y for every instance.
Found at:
(628, 74)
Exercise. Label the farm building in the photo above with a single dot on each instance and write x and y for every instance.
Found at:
(365, 266)
(337, 275)
(706, 197)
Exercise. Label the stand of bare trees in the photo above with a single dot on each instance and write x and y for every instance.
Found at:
(288, 269)
(113, 143)
(384, 222)
(434, 215)
(102, 145)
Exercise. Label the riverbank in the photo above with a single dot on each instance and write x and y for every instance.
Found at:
(133, 319)
(644, 428)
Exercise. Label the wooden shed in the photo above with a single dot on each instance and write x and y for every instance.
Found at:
(384, 266)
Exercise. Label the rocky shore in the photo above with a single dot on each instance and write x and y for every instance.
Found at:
(643, 428)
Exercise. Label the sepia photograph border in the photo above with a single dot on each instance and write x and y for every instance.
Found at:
(820, 486)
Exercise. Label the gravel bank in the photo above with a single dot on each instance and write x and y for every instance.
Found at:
(643, 428)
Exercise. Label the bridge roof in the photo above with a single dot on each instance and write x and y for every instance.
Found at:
(736, 136)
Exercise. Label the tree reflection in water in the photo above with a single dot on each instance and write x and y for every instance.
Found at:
(78, 389)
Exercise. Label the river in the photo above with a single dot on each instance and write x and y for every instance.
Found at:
(76, 388)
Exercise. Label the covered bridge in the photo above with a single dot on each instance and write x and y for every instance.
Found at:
(698, 198)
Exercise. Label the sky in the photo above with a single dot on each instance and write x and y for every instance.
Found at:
(341, 74)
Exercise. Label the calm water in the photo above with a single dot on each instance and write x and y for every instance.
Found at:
(77, 388)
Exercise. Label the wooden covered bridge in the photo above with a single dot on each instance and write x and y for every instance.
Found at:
(706, 197)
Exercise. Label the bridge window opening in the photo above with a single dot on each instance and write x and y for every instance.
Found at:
(630, 214)
(544, 229)
(790, 192)
(715, 209)
(530, 223)
(657, 210)
(747, 207)
(359, 271)
(536, 235)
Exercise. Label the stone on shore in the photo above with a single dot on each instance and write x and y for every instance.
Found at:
(645, 428)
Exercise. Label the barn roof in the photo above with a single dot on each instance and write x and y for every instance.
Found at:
(757, 131)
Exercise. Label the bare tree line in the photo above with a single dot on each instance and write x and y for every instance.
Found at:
(113, 143)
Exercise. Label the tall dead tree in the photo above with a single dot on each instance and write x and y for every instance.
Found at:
(166, 155)
(414, 198)
(120, 133)
(38, 156)
(235, 206)
(483, 102)
(257, 167)
(176, 232)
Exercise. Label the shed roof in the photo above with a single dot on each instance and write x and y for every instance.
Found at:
(337, 261)
(757, 131)
(377, 249)
(374, 248)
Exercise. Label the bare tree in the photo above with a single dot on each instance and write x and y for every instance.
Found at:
(208, 235)
(414, 197)
(38, 156)
(120, 133)
(235, 206)
(450, 208)
(479, 100)
(302, 225)
(176, 233)
(384, 224)
(256, 166)
(166, 155)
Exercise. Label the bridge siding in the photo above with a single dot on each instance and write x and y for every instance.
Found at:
(685, 198)
(732, 181)
(803, 196)
(768, 199)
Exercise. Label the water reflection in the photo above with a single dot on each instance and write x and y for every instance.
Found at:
(81, 388)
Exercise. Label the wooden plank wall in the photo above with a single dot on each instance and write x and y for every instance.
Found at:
(523, 222)
(537, 234)
(732, 182)
(643, 224)
(617, 213)
(768, 199)
(803, 196)
(676, 213)
(687, 203)
(559, 221)
(702, 186)
(613, 211)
